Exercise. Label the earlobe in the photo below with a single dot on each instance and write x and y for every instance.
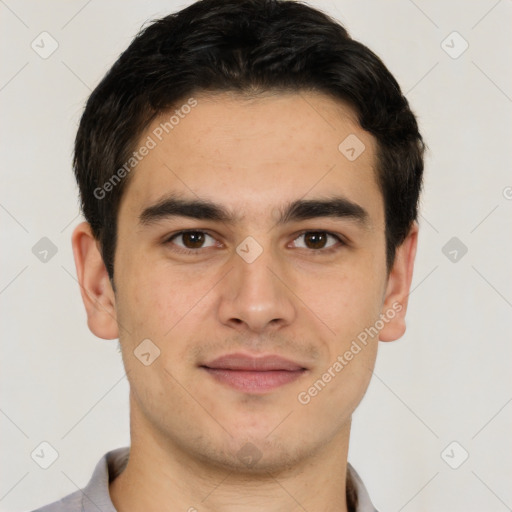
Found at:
(398, 288)
(95, 287)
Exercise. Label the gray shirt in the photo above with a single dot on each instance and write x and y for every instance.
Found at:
(95, 496)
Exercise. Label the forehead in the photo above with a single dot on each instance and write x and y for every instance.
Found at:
(253, 154)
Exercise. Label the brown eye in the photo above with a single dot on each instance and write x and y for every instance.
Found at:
(193, 239)
(317, 240)
(190, 240)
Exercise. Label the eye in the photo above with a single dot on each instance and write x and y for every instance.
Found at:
(192, 241)
(317, 241)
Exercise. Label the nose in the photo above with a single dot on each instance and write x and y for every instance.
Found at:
(257, 295)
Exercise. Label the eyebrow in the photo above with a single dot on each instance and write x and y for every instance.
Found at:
(338, 207)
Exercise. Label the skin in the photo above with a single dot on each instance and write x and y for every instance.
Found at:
(253, 157)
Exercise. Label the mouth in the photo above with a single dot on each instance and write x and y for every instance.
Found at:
(251, 374)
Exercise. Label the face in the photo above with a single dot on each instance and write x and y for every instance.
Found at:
(285, 257)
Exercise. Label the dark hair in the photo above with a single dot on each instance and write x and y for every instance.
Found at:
(250, 47)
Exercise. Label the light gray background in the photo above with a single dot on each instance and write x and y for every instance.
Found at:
(448, 379)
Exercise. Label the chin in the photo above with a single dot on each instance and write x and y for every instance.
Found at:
(253, 453)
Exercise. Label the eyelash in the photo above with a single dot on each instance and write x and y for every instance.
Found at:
(329, 250)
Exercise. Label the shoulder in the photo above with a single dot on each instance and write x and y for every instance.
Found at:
(70, 503)
(360, 496)
(95, 495)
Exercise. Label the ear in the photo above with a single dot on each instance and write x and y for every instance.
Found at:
(397, 290)
(95, 287)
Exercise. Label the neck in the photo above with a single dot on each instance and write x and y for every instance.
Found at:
(160, 475)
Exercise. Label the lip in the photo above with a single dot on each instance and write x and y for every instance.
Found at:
(245, 362)
(251, 374)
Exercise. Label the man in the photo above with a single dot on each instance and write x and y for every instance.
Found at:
(250, 178)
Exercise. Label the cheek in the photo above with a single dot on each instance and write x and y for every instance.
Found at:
(159, 302)
(347, 299)
(349, 386)
(332, 395)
